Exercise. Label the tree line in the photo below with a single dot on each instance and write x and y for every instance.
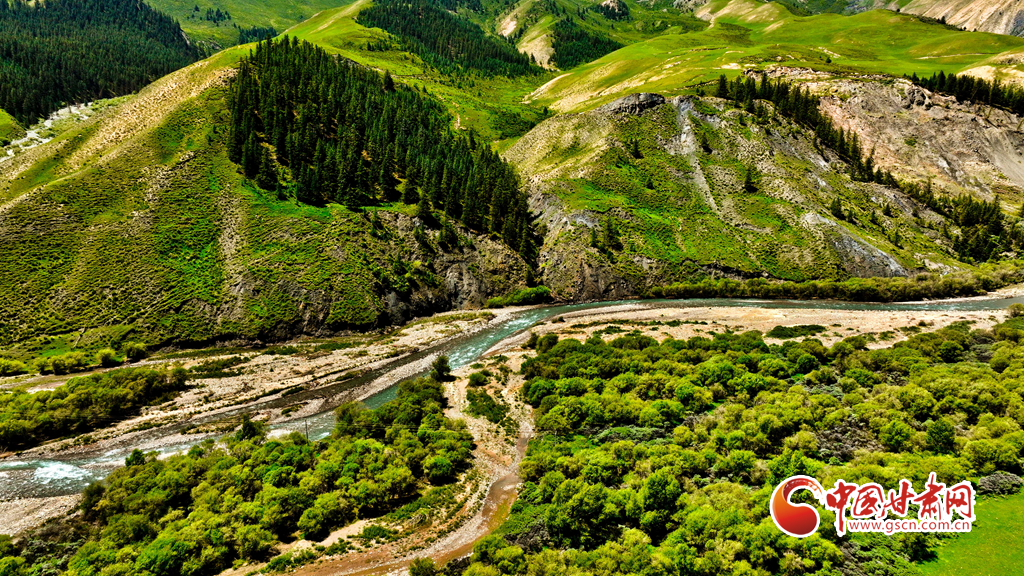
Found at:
(255, 33)
(328, 130)
(572, 45)
(928, 286)
(448, 42)
(64, 51)
(802, 107)
(971, 89)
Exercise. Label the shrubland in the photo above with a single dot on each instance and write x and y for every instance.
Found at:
(83, 404)
(200, 512)
(650, 457)
(659, 457)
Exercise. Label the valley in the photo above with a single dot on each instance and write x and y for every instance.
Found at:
(503, 287)
(293, 388)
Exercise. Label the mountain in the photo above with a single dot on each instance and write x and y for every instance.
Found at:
(999, 17)
(216, 24)
(153, 218)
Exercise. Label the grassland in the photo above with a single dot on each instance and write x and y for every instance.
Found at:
(281, 14)
(994, 547)
(749, 34)
(9, 127)
(484, 104)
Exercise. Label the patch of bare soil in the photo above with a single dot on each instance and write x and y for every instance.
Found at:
(24, 513)
(688, 322)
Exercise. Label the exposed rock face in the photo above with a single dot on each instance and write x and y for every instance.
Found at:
(999, 16)
(917, 134)
(588, 169)
(634, 103)
(1000, 483)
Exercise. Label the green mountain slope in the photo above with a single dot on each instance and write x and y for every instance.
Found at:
(223, 32)
(136, 221)
(669, 178)
(9, 128)
(746, 34)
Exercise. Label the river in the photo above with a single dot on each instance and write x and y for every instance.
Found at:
(59, 476)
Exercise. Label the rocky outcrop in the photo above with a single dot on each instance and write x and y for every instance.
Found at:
(920, 135)
(634, 103)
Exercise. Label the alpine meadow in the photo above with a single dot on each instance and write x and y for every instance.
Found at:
(511, 288)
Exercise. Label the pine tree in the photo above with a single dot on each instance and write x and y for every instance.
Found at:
(837, 209)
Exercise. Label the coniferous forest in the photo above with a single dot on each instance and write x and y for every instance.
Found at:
(445, 40)
(331, 131)
(574, 45)
(67, 51)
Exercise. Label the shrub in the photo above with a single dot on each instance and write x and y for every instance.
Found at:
(941, 435)
(135, 351)
(422, 567)
(107, 358)
(524, 297)
(11, 367)
(440, 370)
(477, 379)
(786, 332)
(68, 363)
(896, 436)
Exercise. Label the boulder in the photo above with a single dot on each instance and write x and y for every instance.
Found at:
(634, 103)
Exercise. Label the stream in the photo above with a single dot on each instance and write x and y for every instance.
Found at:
(59, 476)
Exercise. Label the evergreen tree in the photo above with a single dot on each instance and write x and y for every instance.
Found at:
(748, 181)
(837, 209)
(342, 136)
(68, 51)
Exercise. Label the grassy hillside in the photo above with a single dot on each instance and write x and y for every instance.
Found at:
(279, 14)
(531, 22)
(9, 128)
(492, 106)
(749, 34)
(136, 225)
(670, 182)
(997, 16)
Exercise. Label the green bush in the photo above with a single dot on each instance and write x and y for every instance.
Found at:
(803, 330)
(135, 351)
(440, 370)
(68, 363)
(483, 404)
(524, 297)
(12, 367)
(107, 358)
